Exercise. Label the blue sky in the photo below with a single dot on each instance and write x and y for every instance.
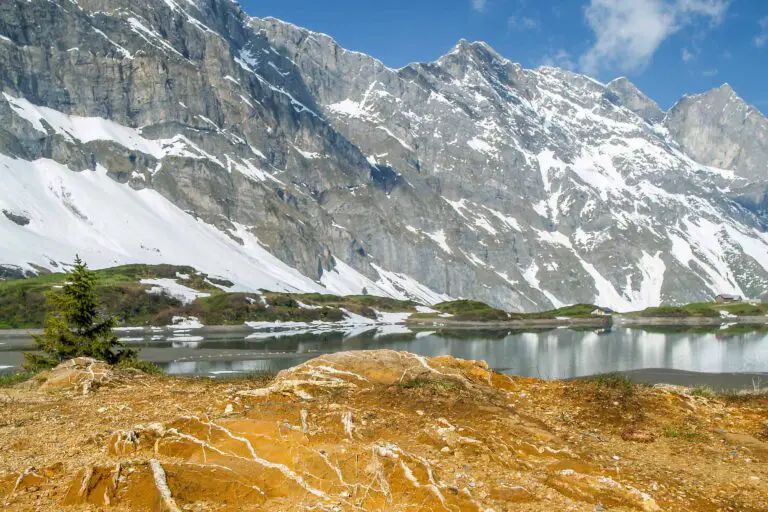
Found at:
(666, 47)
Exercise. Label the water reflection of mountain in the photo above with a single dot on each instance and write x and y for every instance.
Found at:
(550, 353)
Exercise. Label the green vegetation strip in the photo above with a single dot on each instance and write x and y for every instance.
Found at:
(14, 378)
(474, 311)
(118, 289)
(703, 310)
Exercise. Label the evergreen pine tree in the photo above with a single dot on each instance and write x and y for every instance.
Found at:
(74, 327)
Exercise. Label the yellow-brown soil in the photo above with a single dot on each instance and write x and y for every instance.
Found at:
(375, 431)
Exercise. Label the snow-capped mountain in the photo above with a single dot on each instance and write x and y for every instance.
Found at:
(188, 132)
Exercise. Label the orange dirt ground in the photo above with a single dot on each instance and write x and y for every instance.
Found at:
(377, 430)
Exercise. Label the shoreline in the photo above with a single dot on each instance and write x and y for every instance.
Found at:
(689, 320)
(617, 320)
(719, 382)
(601, 321)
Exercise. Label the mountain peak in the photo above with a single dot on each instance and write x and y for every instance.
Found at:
(621, 81)
(475, 48)
(624, 93)
(462, 44)
(722, 94)
(726, 87)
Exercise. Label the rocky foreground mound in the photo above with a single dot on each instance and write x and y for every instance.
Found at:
(377, 430)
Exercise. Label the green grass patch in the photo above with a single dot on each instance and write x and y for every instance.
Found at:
(682, 431)
(744, 309)
(143, 366)
(236, 308)
(471, 310)
(8, 380)
(695, 310)
(704, 309)
(574, 311)
(363, 305)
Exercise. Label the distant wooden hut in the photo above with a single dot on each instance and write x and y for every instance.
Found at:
(726, 298)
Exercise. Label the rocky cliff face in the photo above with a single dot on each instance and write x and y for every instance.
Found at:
(188, 132)
(718, 128)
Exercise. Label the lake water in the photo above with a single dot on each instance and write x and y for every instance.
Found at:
(554, 354)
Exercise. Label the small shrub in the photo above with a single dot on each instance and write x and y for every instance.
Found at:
(704, 391)
(613, 381)
(435, 384)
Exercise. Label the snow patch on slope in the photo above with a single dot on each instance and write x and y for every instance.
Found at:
(652, 269)
(531, 276)
(406, 288)
(440, 239)
(111, 224)
(174, 289)
(83, 129)
(345, 280)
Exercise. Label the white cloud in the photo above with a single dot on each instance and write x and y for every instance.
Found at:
(687, 56)
(762, 37)
(628, 32)
(478, 5)
(524, 23)
(562, 59)
(710, 72)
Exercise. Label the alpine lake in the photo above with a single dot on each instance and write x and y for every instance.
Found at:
(721, 357)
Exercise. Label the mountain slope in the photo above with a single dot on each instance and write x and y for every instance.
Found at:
(206, 143)
(466, 177)
(558, 187)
